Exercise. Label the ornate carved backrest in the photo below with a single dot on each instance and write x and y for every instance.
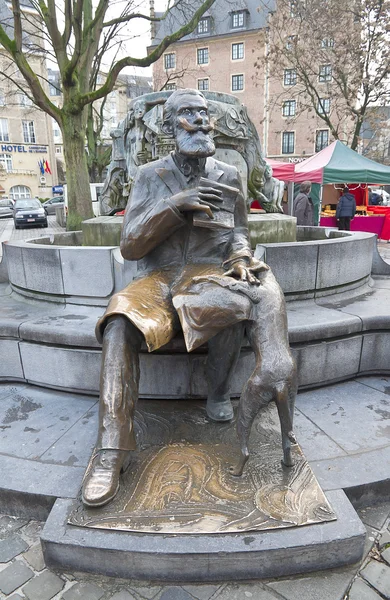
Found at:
(139, 139)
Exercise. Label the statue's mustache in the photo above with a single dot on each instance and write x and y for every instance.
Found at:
(194, 128)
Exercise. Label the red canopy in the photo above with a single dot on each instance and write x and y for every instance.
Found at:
(282, 170)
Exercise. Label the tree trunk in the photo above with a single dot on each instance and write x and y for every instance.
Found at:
(77, 177)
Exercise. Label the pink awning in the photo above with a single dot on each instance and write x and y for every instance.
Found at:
(282, 170)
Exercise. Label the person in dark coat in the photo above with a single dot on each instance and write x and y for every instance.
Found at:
(303, 208)
(346, 209)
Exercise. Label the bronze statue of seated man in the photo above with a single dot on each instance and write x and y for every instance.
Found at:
(186, 225)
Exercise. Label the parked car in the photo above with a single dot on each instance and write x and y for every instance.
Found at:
(50, 205)
(6, 207)
(29, 212)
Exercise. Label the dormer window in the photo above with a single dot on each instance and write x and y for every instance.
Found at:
(204, 25)
(239, 19)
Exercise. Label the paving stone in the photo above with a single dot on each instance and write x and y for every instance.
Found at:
(10, 524)
(374, 515)
(175, 593)
(201, 592)
(384, 539)
(331, 585)
(34, 557)
(85, 591)
(386, 555)
(147, 592)
(13, 576)
(378, 575)
(361, 591)
(255, 591)
(123, 595)
(43, 587)
(11, 547)
(15, 597)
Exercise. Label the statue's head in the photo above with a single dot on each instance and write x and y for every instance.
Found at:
(186, 119)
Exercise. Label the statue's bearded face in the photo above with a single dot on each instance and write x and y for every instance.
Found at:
(192, 127)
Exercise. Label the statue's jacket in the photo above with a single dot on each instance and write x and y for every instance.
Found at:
(180, 282)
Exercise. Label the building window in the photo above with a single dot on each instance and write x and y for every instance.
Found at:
(20, 192)
(237, 83)
(325, 73)
(24, 100)
(292, 41)
(4, 135)
(327, 43)
(290, 77)
(28, 132)
(238, 51)
(2, 100)
(170, 86)
(6, 161)
(203, 85)
(203, 56)
(58, 150)
(238, 19)
(294, 12)
(324, 106)
(204, 25)
(169, 60)
(288, 142)
(322, 139)
(289, 108)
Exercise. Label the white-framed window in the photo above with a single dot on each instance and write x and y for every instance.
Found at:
(58, 150)
(324, 106)
(289, 77)
(238, 51)
(327, 43)
(20, 192)
(288, 142)
(169, 60)
(4, 135)
(322, 139)
(202, 56)
(294, 8)
(289, 108)
(292, 41)
(28, 132)
(170, 86)
(24, 100)
(238, 19)
(2, 99)
(204, 25)
(6, 161)
(237, 83)
(204, 84)
(325, 73)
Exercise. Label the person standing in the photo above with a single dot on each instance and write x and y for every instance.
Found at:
(345, 210)
(303, 208)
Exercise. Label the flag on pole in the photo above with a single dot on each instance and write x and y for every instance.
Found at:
(41, 167)
(47, 168)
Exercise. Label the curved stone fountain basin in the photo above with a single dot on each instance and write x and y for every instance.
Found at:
(58, 290)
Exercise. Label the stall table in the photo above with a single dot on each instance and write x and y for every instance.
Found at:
(370, 224)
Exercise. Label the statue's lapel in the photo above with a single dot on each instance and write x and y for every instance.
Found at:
(171, 175)
(212, 171)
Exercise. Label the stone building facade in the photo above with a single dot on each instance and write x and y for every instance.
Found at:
(229, 52)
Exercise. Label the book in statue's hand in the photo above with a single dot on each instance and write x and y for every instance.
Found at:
(225, 216)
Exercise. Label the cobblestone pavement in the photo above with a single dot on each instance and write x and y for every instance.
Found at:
(23, 573)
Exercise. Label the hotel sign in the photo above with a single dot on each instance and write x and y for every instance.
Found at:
(22, 148)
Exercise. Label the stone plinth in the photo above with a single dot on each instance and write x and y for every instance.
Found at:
(102, 231)
(271, 228)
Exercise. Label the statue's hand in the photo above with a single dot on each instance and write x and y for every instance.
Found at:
(198, 199)
(240, 270)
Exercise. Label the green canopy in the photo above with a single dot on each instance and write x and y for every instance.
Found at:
(339, 164)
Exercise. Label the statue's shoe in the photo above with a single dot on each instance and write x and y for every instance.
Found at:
(101, 482)
(219, 411)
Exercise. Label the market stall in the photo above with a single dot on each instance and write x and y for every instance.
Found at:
(336, 166)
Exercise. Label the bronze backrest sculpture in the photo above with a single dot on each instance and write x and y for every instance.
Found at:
(186, 225)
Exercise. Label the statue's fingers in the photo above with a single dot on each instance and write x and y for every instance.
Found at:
(204, 208)
(257, 267)
(212, 197)
(209, 204)
(210, 190)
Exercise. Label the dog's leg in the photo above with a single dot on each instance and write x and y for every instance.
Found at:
(283, 405)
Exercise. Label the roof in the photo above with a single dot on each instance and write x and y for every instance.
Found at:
(221, 20)
(339, 164)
